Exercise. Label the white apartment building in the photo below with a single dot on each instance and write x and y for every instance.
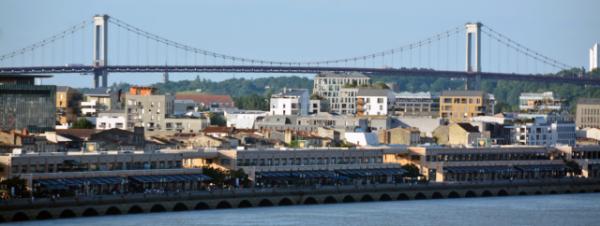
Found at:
(543, 131)
(243, 119)
(339, 90)
(539, 102)
(111, 120)
(371, 101)
(594, 57)
(98, 100)
(290, 102)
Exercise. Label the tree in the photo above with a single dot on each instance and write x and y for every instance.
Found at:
(412, 171)
(83, 123)
(217, 120)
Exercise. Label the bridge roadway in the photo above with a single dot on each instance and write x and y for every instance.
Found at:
(40, 209)
(299, 70)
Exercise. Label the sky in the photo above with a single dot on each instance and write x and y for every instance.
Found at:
(307, 30)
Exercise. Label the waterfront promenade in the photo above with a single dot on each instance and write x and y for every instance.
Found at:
(40, 209)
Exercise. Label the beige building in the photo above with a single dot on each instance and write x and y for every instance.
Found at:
(588, 113)
(406, 136)
(66, 104)
(461, 106)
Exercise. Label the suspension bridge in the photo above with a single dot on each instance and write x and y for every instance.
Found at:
(134, 50)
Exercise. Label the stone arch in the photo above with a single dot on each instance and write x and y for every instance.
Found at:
(420, 196)
(403, 196)
(567, 192)
(285, 202)
(112, 211)
(470, 194)
(201, 206)
(538, 192)
(2, 219)
(20, 216)
(156, 208)
(437, 195)
(366, 198)
(385, 197)
(486, 193)
(522, 193)
(89, 212)
(453, 195)
(582, 191)
(223, 205)
(43, 215)
(310, 201)
(596, 190)
(502, 192)
(330, 200)
(244, 204)
(180, 207)
(67, 214)
(348, 198)
(135, 209)
(265, 202)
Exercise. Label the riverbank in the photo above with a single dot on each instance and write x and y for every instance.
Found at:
(21, 210)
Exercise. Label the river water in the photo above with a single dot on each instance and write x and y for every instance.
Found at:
(567, 209)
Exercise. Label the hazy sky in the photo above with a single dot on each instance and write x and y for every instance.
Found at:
(308, 30)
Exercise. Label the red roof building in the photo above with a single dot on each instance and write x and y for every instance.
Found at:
(207, 100)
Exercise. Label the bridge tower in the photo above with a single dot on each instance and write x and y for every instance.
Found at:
(473, 34)
(100, 50)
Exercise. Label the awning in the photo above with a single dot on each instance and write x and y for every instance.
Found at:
(314, 174)
(170, 178)
(530, 168)
(479, 169)
(66, 182)
(371, 172)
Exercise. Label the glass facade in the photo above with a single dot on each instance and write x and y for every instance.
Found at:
(27, 107)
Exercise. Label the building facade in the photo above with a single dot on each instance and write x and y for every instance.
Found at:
(373, 101)
(461, 106)
(24, 105)
(588, 113)
(540, 102)
(330, 86)
(290, 102)
(67, 104)
(416, 104)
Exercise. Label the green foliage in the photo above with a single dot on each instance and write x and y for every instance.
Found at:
(295, 144)
(217, 120)
(412, 171)
(20, 186)
(252, 102)
(83, 123)
(222, 177)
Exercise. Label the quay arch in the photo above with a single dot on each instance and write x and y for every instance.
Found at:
(201, 206)
(470, 194)
(285, 202)
(90, 212)
(223, 205)
(265, 203)
(403, 196)
(385, 197)
(329, 200)
(156, 208)
(502, 192)
(20, 216)
(112, 211)
(366, 198)
(486, 193)
(348, 198)
(420, 195)
(135, 209)
(43, 215)
(437, 195)
(244, 204)
(67, 214)
(180, 207)
(310, 201)
(453, 195)
(522, 193)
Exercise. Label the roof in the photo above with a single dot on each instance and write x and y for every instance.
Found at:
(218, 129)
(98, 92)
(468, 127)
(588, 101)
(418, 95)
(80, 133)
(205, 99)
(372, 92)
(291, 92)
(341, 75)
(462, 93)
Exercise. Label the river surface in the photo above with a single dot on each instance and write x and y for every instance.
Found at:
(567, 209)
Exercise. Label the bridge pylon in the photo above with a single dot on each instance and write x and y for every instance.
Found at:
(473, 32)
(100, 50)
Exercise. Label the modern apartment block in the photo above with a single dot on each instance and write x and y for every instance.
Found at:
(539, 102)
(144, 108)
(416, 104)
(339, 89)
(371, 101)
(588, 113)
(461, 106)
(99, 100)
(24, 105)
(290, 102)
